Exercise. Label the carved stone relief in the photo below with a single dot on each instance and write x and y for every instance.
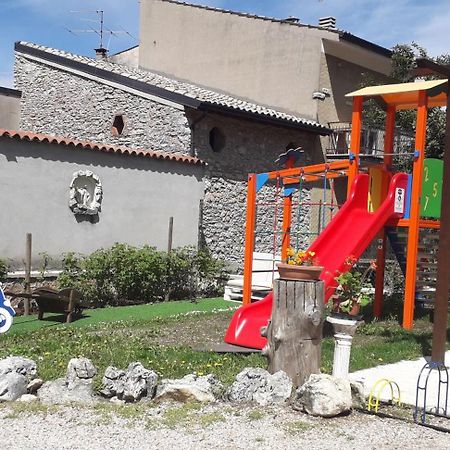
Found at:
(85, 193)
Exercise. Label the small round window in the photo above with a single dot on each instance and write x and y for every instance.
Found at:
(216, 139)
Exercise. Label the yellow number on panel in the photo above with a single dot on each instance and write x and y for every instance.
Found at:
(426, 202)
(435, 189)
(426, 173)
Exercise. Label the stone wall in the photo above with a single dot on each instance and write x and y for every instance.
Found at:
(249, 148)
(57, 102)
(61, 103)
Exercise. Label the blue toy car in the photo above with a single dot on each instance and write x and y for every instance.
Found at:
(6, 312)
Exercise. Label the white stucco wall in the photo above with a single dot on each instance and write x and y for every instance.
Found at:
(128, 57)
(271, 63)
(9, 109)
(140, 194)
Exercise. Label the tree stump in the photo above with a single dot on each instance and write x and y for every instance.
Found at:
(294, 332)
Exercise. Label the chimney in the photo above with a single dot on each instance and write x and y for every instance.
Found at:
(292, 19)
(101, 53)
(328, 22)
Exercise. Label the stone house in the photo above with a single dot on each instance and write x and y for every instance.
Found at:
(128, 196)
(100, 101)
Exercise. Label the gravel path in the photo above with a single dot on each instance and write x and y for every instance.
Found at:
(212, 427)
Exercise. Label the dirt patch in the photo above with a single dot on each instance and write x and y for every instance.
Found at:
(198, 333)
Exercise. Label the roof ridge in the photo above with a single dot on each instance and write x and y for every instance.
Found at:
(250, 16)
(23, 135)
(342, 33)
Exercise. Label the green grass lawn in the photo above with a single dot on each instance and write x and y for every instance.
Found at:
(174, 339)
(143, 313)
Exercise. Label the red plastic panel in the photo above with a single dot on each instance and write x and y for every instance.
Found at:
(348, 234)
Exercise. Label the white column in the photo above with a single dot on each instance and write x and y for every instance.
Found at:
(344, 330)
(341, 360)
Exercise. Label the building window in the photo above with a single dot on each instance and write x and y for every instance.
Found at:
(216, 139)
(118, 125)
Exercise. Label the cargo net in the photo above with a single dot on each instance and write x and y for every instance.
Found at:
(313, 207)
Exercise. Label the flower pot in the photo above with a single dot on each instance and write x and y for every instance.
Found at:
(299, 273)
(354, 311)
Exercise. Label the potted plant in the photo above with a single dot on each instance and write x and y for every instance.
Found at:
(354, 289)
(301, 265)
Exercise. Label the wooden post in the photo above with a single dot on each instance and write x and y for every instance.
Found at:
(71, 306)
(169, 251)
(439, 345)
(170, 236)
(427, 67)
(294, 332)
(416, 193)
(26, 301)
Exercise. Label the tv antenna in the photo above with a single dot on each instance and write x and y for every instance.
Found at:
(100, 29)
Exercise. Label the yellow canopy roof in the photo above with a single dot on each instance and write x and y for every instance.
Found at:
(406, 95)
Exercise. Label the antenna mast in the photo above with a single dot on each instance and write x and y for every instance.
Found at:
(101, 51)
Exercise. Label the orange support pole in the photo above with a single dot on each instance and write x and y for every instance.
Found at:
(381, 248)
(249, 239)
(414, 221)
(287, 217)
(355, 140)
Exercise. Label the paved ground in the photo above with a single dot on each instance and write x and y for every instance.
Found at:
(405, 374)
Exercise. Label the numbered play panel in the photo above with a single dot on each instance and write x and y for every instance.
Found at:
(432, 188)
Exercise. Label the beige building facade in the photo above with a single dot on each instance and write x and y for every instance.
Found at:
(284, 64)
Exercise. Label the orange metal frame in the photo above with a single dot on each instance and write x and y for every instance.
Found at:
(414, 226)
(414, 223)
(292, 175)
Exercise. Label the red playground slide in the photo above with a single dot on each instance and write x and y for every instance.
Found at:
(348, 234)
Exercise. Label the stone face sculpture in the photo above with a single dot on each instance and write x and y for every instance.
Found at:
(86, 193)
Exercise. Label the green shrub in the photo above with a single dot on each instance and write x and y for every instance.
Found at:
(124, 274)
(3, 270)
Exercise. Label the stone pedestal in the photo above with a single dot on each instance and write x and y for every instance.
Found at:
(344, 330)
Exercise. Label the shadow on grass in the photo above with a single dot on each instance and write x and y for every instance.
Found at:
(51, 320)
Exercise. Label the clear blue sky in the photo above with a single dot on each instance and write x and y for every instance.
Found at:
(385, 22)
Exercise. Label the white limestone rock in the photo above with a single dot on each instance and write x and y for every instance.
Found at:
(18, 364)
(324, 395)
(191, 387)
(130, 385)
(58, 392)
(12, 386)
(259, 386)
(80, 370)
(28, 398)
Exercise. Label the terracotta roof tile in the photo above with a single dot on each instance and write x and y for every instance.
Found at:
(120, 150)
